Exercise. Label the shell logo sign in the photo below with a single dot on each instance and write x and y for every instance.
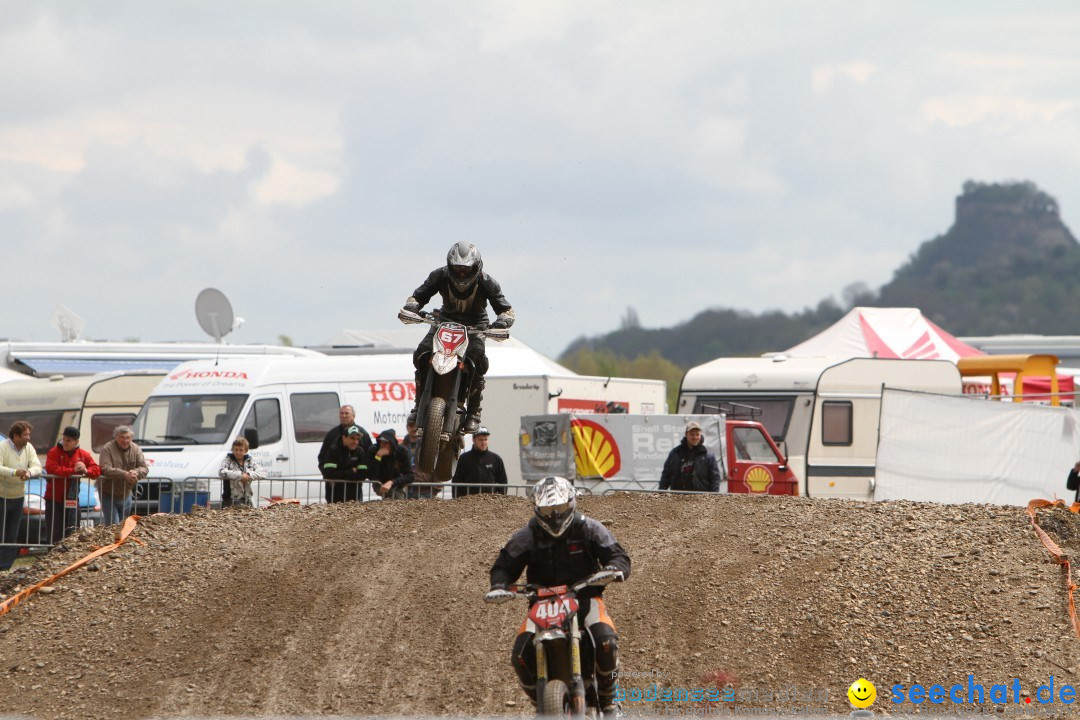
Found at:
(758, 479)
(595, 451)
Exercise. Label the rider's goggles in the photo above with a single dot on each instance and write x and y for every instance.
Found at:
(461, 271)
(554, 511)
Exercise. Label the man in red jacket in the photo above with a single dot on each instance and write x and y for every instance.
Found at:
(62, 491)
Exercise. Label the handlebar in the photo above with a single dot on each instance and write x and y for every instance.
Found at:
(597, 579)
(413, 318)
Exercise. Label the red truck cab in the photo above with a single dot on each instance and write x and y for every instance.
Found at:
(754, 464)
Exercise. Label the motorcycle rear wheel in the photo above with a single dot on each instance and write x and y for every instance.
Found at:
(433, 427)
(556, 700)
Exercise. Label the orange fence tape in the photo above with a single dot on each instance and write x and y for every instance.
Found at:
(1055, 551)
(125, 533)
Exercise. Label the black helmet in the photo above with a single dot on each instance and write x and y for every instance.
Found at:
(464, 263)
(554, 503)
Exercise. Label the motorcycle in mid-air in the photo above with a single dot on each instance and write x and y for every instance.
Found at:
(563, 687)
(440, 409)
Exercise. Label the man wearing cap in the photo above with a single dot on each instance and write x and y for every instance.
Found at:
(479, 465)
(690, 466)
(344, 466)
(64, 460)
(347, 418)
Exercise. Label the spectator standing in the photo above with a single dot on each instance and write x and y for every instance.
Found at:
(237, 470)
(690, 466)
(18, 463)
(347, 416)
(411, 443)
(390, 467)
(1073, 483)
(122, 466)
(479, 465)
(345, 467)
(66, 459)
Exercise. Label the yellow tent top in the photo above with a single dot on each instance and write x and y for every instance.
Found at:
(1022, 365)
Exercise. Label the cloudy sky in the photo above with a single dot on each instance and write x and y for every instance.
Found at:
(315, 160)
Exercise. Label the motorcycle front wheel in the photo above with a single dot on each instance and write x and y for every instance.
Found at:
(556, 700)
(433, 427)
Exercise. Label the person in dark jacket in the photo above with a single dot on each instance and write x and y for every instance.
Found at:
(466, 291)
(1073, 482)
(345, 467)
(347, 417)
(479, 465)
(389, 467)
(690, 466)
(560, 546)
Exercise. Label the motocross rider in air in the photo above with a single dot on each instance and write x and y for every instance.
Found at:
(466, 291)
(560, 546)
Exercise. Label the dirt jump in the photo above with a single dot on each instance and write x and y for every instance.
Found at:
(369, 609)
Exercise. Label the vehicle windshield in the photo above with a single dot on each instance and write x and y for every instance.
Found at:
(188, 419)
(775, 411)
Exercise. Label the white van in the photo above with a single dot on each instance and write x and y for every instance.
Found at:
(822, 412)
(191, 418)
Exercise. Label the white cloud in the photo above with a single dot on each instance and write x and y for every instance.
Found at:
(858, 71)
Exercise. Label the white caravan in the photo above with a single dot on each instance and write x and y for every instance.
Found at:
(95, 404)
(191, 418)
(822, 412)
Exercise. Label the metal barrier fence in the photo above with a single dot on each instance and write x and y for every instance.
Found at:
(42, 523)
(34, 522)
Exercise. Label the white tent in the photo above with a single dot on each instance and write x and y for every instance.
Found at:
(884, 333)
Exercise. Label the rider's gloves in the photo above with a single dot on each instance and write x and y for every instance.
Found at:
(503, 320)
(498, 595)
(411, 305)
(609, 574)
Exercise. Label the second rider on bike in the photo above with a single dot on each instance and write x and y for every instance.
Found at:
(557, 547)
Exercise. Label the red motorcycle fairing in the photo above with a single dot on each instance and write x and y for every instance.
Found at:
(553, 613)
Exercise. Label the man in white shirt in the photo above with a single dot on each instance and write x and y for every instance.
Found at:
(18, 463)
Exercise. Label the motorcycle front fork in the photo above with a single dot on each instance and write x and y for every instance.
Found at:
(577, 684)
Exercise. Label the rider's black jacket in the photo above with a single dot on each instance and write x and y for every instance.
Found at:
(584, 548)
(471, 309)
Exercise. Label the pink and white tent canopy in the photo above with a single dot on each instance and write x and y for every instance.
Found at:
(884, 333)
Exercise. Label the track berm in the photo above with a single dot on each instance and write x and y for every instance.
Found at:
(364, 609)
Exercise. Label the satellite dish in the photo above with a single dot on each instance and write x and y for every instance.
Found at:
(67, 322)
(214, 313)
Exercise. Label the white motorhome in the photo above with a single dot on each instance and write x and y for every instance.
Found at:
(46, 359)
(822, 412)
(190, 419)
(95, 404)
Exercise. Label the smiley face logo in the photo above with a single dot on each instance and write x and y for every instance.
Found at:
(862, 693)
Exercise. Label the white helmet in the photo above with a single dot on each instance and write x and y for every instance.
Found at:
(554, 503)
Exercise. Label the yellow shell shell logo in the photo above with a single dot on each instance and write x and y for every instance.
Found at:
(595, 451)
(525, 439)
(758, 478)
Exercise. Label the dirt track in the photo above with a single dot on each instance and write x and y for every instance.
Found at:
(375, 608)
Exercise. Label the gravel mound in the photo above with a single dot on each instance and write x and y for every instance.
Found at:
(362, 609)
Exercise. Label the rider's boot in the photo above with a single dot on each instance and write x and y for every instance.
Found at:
(476, 397)
(607, 667)
(419, 377)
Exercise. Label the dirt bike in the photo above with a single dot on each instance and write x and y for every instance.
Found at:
(561, 681)
(440, 409)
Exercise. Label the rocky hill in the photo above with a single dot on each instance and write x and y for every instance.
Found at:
(364, 609)
(1008, 264)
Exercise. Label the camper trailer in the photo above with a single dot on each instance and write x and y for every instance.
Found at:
(190, 419)
(822, 412)
(96, 404)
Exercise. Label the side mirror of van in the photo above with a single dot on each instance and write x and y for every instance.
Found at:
(252, 436)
